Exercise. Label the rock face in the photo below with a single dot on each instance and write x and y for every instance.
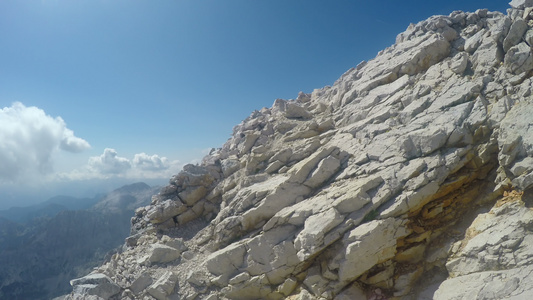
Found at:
(409, 178)
(495, 258)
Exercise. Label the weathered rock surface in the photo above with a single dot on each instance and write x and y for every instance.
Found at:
(494, 260)
(393, 183)
(95, 284)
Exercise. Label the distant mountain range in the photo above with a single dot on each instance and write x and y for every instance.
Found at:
(48, 208)
(43, 246)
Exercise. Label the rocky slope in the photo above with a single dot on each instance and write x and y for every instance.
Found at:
(409, 178)
(38, 258)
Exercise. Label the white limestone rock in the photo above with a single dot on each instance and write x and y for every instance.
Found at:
(324, 170)
(517, 30)
(230, 166)
(520, 4)
(459, 63)
(274, 167)
(159, 253)
(95, 284)
(511, 284)
(351, 293)
(316, 226)
(141, 283)
(256, 288)
(495, 260)
(165, 210)
(249, 141)
(473, 42)
(515, 138)
(519, 59)
(369, 244)
(191, 195)
(272, 255)
(226, 261)
(528, 37)
(522, 167)
(176, 243)
(288, 286)
(164, 286)
(488, 55)
(295, 111)
(284, 194)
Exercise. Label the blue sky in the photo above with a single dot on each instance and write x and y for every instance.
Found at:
(157, 83)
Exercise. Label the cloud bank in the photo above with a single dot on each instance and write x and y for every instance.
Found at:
(110, 165)
(31, 140)
(28, 138)
(144, 161)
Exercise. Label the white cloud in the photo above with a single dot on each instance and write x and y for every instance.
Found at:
(147, 162)
(28, 138)
(72, 143)
(109, 163)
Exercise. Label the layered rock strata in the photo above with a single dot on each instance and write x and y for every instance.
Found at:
(408, 178)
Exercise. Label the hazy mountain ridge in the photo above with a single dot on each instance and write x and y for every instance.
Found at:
(48, 208)
(39, 257)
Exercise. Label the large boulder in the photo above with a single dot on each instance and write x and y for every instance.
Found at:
(95, 284)
(519, 59)
(521, 4)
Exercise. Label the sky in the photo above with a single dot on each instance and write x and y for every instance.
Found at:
(96, 92)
